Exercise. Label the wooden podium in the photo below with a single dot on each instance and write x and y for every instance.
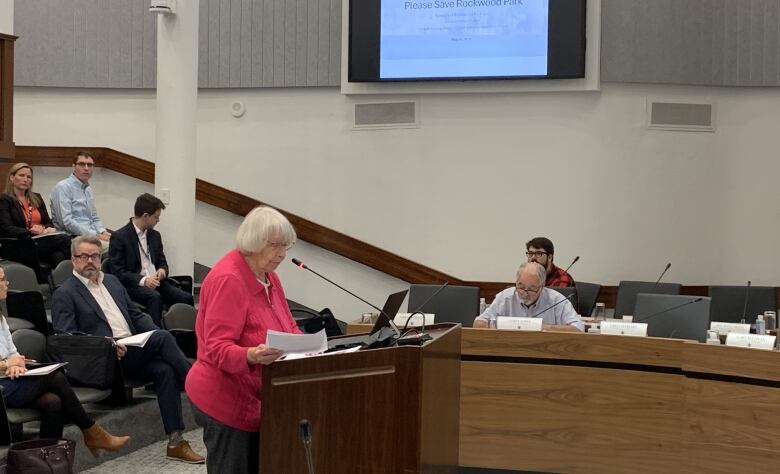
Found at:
(390, 410)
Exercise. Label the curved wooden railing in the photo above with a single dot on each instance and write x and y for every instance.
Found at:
(311, 232)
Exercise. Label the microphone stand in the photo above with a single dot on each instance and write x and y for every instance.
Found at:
(305, 428)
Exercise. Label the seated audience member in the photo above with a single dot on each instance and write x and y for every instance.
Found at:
(73, 203)
(96, 303)
(529, 298)
(51, 394)
(23, 214)
(137, 259)
(541, 250)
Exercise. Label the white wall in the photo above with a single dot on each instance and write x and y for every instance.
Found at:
(481, 175)
(7, 17)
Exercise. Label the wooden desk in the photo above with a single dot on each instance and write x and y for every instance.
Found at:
(585, 403)
(562, 402)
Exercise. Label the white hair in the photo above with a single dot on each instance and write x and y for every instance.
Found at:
(261, 224)
(540, 271)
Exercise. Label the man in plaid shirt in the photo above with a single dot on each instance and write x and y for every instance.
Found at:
(541, 250)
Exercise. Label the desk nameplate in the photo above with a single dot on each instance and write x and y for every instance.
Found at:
(751, 341)
(621, 328)
(521, 324)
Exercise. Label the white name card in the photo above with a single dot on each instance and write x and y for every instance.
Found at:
(751, 341)
(523, 324)
(401, 318)
(726, 328)
(622, 328)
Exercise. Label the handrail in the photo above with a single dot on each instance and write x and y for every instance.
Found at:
(308, 231)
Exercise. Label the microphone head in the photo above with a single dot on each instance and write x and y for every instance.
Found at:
(748, 283)
(298, 263)
(305, 426)
(576, 259)
(668, 265)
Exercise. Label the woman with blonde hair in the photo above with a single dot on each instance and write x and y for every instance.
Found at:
(23, 214)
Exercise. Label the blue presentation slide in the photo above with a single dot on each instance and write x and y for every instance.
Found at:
(463, 38)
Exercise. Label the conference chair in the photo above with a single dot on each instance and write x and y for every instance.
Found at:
(674, 316)
(28, 306)
(454, 304)
(627, 291)
(62, 272)
(24, 251)
(587, 295)
(180, 321)
(728, 302)
(570, 292)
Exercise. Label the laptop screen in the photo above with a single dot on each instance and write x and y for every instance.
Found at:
(392, 305)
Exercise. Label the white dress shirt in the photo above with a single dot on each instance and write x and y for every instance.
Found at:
(117, 321)
(147, 267)
(549, 306)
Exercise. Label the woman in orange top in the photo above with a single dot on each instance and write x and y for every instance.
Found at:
(23, 214)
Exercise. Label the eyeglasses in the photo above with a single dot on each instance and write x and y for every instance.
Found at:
(537, 253)
(280, 245)
(528, 291)
(85, 165)
(85, 257)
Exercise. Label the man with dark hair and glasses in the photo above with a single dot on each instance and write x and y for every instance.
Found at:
(73, 203)
(92, 302)
(137, 258)
(541, 251)
(530, 299)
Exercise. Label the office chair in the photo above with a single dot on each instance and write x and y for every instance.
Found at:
(627, 291)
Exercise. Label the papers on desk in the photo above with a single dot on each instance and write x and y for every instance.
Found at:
(139, 340)
(295, 346)
(46, 369)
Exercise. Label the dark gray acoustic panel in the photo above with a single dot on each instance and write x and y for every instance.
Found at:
(704, 42)
(242, 43)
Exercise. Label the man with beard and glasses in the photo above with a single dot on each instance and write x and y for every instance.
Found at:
(529, 298)
(95, 303)
(541, 251)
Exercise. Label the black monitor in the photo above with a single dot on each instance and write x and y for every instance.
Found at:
(674, 316)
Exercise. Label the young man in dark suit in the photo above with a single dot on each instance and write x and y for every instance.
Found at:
(95, 303)
(136, 257)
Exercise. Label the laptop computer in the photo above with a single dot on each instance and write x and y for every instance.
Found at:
(384, 325)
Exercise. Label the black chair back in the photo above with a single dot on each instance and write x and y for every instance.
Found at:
(728, 302)
(454, 304)
(627, 291)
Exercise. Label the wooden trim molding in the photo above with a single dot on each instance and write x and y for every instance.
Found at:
(7, 97)
(308, 231)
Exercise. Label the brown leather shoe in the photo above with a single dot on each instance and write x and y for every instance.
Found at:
(99, 440)
(183, 452)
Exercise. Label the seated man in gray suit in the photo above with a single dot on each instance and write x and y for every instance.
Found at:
(95, 303)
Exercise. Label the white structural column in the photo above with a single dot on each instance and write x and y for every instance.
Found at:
(177, 95)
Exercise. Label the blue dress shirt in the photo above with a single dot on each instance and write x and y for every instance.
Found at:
(73, 208)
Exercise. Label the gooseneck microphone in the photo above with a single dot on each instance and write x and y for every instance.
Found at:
(576, 259)
(662, 274)
(744, 308)
(305, 430)
(647, 318)
(300, 264)
(565, 298)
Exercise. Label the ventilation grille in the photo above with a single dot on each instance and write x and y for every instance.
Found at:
(681, 116)
(379, 115)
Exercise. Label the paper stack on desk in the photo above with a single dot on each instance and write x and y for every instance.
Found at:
(297, 345)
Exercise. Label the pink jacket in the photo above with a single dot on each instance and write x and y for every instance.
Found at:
(235, 313)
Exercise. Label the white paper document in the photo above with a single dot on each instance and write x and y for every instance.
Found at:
(46, 369)
(51, 234)
(139, 340)
(297, 345)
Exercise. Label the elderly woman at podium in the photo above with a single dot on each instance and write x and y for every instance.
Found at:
(241, 299)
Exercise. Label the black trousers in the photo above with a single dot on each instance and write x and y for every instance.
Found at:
(53, 249)
(53, 396)
(228, 449)
(154, 299)
(162, 362)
